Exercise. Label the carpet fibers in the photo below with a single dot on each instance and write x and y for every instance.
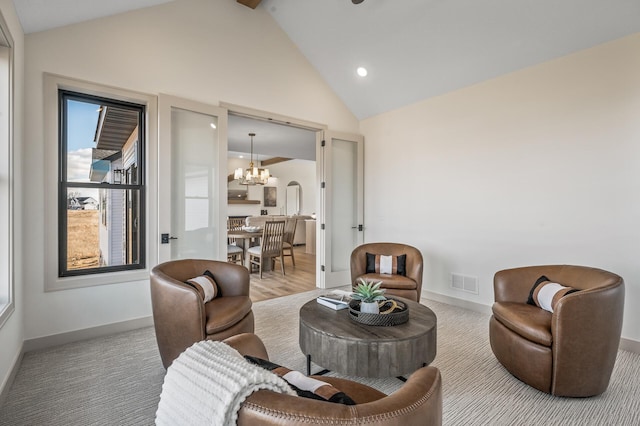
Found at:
(117, 380)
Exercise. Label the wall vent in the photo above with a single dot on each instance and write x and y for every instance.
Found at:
(464, 283)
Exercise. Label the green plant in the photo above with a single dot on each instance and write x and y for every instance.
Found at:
(368, 291)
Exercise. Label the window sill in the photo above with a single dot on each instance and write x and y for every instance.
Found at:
(82, 281)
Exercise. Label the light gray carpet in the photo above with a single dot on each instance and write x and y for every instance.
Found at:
(117, 380)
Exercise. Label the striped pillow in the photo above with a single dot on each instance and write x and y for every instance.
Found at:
(390, 265)
(304, 386)
(546, 294)
(205, 285)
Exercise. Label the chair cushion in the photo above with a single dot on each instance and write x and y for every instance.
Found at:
(233, 249)
(222, 312)
(386, 264)
(530, 322)
(392, 281)
(255, 250)
(307, 387)
(546, 294)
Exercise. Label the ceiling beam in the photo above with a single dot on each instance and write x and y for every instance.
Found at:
(274, 160)
(250, 3)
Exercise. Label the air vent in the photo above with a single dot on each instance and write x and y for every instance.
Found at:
(464, 283)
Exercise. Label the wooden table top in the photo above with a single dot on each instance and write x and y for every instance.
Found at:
(244, 234)
(337, 323)
(334, 341)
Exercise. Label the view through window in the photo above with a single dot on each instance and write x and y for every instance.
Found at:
(101, 195)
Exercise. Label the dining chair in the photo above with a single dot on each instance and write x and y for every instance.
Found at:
(287, 239)
(235, 253)
(270, 247)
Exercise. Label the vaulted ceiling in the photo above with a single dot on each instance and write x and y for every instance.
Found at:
(412, 49)
(417, 49)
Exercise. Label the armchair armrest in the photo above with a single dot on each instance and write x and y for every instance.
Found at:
(586, 328)
(178, 315)
(248, 344)
(358, 263)
(417, 403)
(232, 280)
(514, 285)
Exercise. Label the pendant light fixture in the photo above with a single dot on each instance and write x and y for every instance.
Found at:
(252, 175)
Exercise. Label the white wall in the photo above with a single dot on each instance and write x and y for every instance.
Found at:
(12, 332)
(303, 172)
(208, 51)
(540, 166)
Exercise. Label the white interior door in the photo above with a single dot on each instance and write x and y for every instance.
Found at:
(192, 180)
(341, 167)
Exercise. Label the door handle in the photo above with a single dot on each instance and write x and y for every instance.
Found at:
(164, 238)
(359, 227)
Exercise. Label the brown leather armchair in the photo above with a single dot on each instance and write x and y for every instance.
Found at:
(570, 352)
(409, 286)
(418, 402)
(180, 316)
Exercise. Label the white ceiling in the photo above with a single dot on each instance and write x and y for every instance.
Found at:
(40, 15)
(417, 49)
(271, 139)
(413, 49)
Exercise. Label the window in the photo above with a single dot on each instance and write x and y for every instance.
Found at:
(101, 195)
(6, 173)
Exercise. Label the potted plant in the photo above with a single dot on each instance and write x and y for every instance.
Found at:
(369, 294)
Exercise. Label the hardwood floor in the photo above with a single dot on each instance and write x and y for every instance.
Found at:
(297, 280)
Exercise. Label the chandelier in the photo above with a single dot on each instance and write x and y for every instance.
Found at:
(252, 175)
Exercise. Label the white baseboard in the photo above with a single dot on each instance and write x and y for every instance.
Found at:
(625, 344)
(454, 301)
(630, 345)
(4, 390)
(86, 333)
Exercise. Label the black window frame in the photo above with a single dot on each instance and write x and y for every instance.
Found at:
(64, 185)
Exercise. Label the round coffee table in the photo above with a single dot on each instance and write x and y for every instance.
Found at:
(334, 341)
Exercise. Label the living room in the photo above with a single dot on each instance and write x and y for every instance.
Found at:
(537, 166)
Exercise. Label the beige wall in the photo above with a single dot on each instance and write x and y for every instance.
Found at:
(12, 332)
(208, 51)
(540, 166)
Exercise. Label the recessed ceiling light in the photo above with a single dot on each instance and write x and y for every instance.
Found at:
(362, 71)
(213, 126)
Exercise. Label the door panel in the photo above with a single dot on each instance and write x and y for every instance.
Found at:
(192, 180)
(342, 206)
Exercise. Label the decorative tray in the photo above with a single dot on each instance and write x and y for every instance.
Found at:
(392, 312)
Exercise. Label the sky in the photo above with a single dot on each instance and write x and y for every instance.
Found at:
(81, 128)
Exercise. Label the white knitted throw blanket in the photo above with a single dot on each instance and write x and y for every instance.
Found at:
(207, 384)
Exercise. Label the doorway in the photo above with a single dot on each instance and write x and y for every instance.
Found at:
(288, 152)
(193, 188)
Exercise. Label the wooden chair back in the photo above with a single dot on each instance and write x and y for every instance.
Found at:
(234, 224)
(272, 237)
(289, 230)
